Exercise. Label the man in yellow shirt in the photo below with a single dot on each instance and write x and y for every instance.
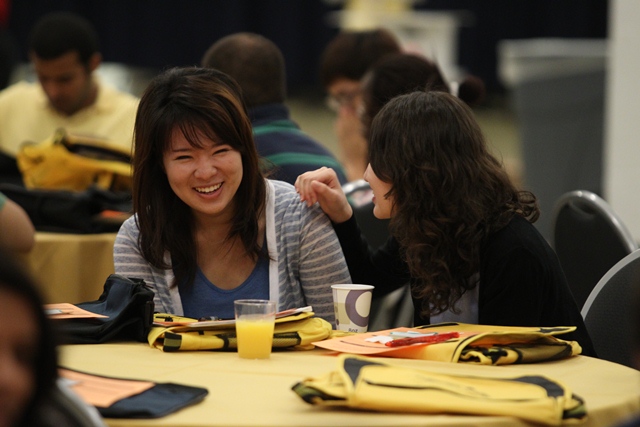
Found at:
(63, 49)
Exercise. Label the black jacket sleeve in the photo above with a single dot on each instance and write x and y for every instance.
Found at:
(382, 267)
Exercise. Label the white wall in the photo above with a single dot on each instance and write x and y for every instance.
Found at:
(621, 173)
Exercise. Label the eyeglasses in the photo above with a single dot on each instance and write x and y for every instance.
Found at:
(341, 99)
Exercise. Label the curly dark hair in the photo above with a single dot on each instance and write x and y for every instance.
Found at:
(448, 191)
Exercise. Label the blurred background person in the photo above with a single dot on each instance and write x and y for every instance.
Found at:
(258, 66)
(401, 73)
(343, 63)
(64, 51)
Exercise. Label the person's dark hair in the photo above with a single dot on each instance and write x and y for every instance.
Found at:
(192, 100)
(255, 62)
(394, 75)
(58, 33)
(351, 53)
(401, 73)
(449, 192)
(14, 279)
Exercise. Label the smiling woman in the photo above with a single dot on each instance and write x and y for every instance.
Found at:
(208, 227)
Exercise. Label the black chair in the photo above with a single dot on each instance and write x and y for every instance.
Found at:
(611, 309)
(396, 308)
(589, 238)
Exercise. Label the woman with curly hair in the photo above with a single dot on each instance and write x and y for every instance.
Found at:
(462, 233)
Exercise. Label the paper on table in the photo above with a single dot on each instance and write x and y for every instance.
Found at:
(361, 343)
(69, 311)
(102, 391)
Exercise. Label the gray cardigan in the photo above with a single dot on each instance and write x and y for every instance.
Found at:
(306, 258)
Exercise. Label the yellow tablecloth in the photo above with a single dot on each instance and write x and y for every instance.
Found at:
(71, 267)
(258, 392)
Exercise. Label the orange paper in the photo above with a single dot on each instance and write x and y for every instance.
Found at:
(358, 344)
(69, 311)
(101, 391)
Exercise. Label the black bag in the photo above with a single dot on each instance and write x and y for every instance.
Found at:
(160, 400)
(90, 211)
(127, 302)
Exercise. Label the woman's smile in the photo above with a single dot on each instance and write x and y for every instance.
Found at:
(208, 190)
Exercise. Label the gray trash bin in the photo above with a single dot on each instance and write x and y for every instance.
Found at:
(557, 91)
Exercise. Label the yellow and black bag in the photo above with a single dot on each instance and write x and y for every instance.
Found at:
(365, 383)
(74, 163)
(297, 331)
(479, 344)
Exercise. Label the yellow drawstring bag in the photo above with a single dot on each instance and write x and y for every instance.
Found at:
(479, 344)
(297, 331)
(367, 383)
(74, 163)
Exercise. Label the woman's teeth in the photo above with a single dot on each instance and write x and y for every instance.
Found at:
(208, 189)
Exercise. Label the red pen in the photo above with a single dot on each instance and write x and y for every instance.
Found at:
(428, 339)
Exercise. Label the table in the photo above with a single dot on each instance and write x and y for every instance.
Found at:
(71, 267)
(258, 392)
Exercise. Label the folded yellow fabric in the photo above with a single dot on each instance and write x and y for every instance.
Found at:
(298, 331)
(502, 345)
(366, 383)
(481, 344)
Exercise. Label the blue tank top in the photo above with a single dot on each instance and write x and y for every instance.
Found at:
(205, 299)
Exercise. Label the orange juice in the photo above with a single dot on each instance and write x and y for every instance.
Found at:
(255, 337)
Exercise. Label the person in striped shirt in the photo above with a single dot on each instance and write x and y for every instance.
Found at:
(208, 228)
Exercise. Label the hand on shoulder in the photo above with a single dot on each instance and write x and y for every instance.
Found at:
(322, 186)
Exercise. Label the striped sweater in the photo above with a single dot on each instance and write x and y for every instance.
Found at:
(306, 258)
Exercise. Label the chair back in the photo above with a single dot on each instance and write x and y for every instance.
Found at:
(611, 308)
(589, 238)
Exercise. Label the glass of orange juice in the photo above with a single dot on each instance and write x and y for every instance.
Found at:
(255, 321)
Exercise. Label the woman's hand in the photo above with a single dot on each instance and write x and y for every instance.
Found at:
(322, 186)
